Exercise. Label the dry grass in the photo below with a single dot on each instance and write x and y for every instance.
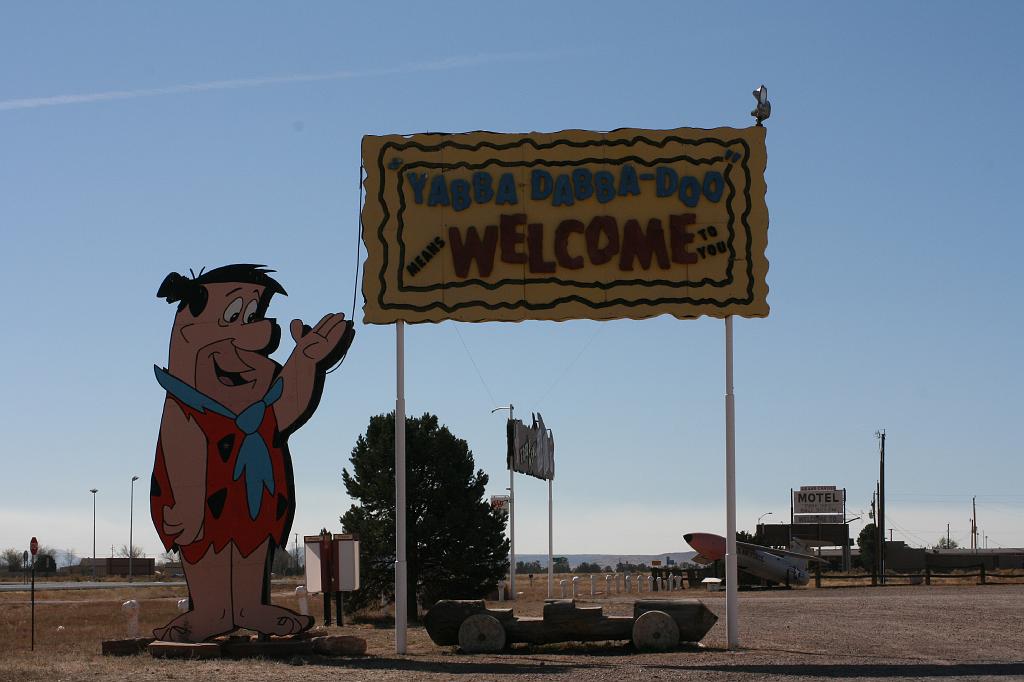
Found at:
(946, 631)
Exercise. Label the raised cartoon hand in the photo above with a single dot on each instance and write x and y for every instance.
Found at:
(184, 521)
(329, 338)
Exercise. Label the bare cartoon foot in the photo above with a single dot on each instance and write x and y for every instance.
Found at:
(194, 627)
(272, 620)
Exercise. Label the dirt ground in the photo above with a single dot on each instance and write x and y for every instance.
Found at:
(943, 632)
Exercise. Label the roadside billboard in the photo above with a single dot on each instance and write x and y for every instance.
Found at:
(819, 499)
(571, 225)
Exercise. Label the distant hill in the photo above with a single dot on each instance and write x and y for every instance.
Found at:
(609, 559)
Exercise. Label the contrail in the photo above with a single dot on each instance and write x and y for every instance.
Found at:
(239, 83)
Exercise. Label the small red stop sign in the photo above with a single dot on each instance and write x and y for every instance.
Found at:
(34, 546)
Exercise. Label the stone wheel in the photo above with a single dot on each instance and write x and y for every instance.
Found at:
(655, 631)
(481, 633)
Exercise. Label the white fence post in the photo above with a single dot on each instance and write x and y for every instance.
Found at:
(501, 590)
(592, 593)
(561, 584)
(300, 594)
(131, 611)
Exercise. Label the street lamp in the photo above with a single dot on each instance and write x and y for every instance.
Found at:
(94, 491)
(511, 517)
(761, 517)
(131, 511)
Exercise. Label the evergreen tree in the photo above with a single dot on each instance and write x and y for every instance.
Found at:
(529, 567)
(455, 543)
(867, 541)
(749, 538)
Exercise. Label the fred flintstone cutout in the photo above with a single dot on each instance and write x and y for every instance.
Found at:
(222, 492)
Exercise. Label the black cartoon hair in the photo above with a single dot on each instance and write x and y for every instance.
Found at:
(191, 292)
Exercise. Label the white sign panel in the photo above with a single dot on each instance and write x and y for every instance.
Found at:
(314, 581)
(348, 565)
(819, 500)
(343, 562)
(500, 502)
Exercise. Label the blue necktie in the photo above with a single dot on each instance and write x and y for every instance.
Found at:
(253, 459)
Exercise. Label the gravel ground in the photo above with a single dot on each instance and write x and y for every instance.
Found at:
(938, 632)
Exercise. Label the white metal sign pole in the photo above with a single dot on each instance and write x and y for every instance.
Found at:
(551, 565)
(401, 589)
(731, 593)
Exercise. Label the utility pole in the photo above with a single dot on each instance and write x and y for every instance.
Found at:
(974, 523)
(878, 534)
(94, 491)
(881, 503)
(947, 536)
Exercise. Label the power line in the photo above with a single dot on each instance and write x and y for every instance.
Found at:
(904, 532)
(455, 326)
(569, 366)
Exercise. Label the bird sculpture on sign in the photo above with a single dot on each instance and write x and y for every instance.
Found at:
(222, 493)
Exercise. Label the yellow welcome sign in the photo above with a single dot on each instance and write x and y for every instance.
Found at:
(570, 225)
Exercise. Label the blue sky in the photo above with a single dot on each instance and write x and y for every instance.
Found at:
(232, 135)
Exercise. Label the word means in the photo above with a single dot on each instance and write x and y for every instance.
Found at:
(420, 261)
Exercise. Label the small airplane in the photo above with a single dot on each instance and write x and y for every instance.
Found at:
(774, 565)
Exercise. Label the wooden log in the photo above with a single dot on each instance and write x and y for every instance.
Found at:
(541, 631)
(339, 645)
(564, 622)
(184, 650)
(125, 647)
(691, 616)
(559, 610)
(445, 617)
(481, 633)
(655, 631)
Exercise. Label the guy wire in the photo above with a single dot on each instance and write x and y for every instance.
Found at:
(359, 245)
(455, 326)
(566, 369)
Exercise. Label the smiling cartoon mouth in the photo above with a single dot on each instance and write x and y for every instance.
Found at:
(228, 378)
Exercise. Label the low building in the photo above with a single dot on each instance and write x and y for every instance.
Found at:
(102, 567)
(901, 557)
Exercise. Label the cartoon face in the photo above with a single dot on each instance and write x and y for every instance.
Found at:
(224, 352)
